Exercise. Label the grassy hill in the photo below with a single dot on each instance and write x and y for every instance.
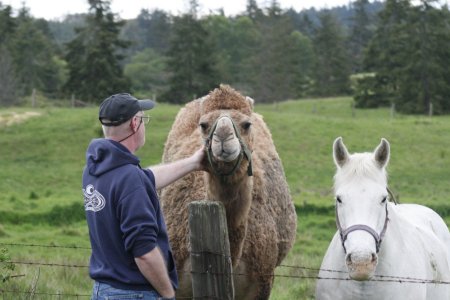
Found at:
(42, 156)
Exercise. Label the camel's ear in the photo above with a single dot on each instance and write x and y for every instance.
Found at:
(250, 101)
(382, 153)
(340, 153)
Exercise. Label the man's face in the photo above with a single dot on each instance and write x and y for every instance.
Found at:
(141, 120)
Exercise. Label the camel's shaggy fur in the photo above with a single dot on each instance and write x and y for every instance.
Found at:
(260, 214)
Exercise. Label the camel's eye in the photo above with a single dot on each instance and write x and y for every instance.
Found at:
(384, 200)
(338, 200)
(246, 125)
(204, 126)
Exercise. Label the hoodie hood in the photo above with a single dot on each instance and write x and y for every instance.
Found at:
(104, 155)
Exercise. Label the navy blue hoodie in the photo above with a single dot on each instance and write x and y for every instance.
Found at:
(124, 216)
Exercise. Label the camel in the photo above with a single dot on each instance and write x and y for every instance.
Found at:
(244, 172)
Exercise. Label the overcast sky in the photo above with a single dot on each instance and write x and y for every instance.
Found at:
(127, 9)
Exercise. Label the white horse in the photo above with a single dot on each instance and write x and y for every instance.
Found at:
(381, 250)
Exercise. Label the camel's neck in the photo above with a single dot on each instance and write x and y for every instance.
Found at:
(235, 193)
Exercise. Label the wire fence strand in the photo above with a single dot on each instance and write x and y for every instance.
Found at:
(44, 246)
(376, 278)
(342, 275)
(4, 291)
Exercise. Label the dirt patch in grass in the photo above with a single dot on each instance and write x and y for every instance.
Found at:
(11, 118)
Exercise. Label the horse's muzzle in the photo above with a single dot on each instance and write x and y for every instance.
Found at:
(361, 265)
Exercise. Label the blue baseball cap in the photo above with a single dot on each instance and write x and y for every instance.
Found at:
(119, 108)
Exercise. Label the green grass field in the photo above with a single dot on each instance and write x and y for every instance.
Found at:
(41, 161)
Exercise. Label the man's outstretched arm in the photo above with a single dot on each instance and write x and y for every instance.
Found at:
(165, 174)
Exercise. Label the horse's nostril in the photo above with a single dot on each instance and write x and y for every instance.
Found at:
(374, 258)
(349, 259)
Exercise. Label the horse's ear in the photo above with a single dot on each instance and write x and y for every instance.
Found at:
(382, 153)
(340, 153)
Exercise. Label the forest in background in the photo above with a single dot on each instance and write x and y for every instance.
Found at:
(383, 53)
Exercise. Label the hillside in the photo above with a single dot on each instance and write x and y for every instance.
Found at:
(42, 157)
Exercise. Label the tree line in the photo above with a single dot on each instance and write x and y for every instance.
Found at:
(384, 53)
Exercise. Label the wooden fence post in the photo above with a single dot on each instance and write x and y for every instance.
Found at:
(392, 110)
(33, 98)
(210, 251)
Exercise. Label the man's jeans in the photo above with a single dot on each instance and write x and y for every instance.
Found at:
(103, 291)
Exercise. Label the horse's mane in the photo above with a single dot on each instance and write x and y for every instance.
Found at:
(360, 166)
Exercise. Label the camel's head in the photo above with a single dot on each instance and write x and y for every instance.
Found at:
(225, 125)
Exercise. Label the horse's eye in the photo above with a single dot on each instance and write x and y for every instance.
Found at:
(204, 125)
(384, 200)
(246, 125)
(338, 199)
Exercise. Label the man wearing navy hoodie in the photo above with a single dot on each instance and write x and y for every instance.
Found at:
(131, 256)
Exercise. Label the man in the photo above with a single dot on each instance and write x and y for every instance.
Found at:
(131, 255)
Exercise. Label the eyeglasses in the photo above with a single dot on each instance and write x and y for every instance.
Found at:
(144, 119)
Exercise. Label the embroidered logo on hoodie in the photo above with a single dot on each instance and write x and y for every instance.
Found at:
(93, 200)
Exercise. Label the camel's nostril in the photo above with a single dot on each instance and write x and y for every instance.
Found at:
(349, 259)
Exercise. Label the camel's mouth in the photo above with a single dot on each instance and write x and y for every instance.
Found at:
(228, 157)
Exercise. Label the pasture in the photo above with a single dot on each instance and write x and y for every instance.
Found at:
(41, 159)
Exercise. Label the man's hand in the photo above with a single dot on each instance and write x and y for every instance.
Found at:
(153, 267)
(165, 174)
(199, 158)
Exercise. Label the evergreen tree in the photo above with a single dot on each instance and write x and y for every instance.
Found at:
(307, 27)
(235, 42)
(387, 53)
(7, 24)
(190, 59)
(425, 76)
(64, 31)
(7, 74)
(7, 79)
(93, 60)
(360, 34)
(244, 43)
(409, 55)
(147, 71)
(332, 66)
(300, 66)
(158, 32)
(148, 30)
(253, 11)
(32, 52)
(222, 38)
(272, 62)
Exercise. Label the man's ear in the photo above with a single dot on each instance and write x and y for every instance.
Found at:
(134, 124)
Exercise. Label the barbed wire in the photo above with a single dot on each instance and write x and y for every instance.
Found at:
(383, 278)
(45, 246)
(3, 291)
(376, 278)
(48, 264)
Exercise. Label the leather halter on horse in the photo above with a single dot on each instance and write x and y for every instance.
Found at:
(244, 151)
(378, 237)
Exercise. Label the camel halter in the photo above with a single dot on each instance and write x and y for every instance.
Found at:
(378, 237)
(244, 152)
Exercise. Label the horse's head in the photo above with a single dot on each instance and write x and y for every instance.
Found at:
(360, 186)
(226, 128)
